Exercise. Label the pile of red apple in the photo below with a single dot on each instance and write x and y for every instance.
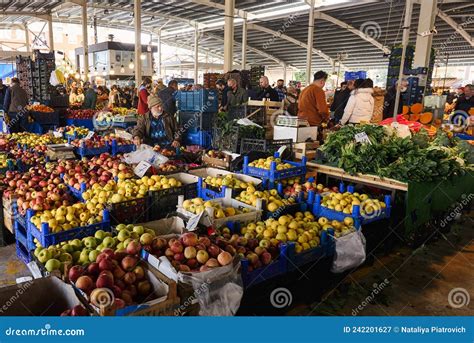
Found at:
(295, 189)
(164, 151)
(249, 249)
(99, 169)
(190, 253)
(37, 189)
(119, 140)
(29, 157)
(80, 114)
(5, 143)
(95, 142)
(120, 272)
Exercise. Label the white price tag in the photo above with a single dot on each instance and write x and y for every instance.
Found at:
(90, 135)
(124, 134)
(141, 168)
(362, 138)
(57, 134)
(194, 221)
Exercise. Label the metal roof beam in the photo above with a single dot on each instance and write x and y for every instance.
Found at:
(458, 27)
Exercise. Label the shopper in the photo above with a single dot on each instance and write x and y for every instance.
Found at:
(74, 99)
(341, 97)
(466, 100)
(115, 98)
(281, 89)
(160, 85)
(102, 98)
(389, 100)
(168, 97)
(3, 92)
(236, 96)
(223, 89)
(312, 105)
(143, 92)
(14, 103)
(266, 91)
(360, 106)
(157, 127)
(90, 97)
(291, 101)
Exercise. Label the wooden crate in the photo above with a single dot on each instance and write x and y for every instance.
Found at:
(306, 149)
(216, 162)
(8, 220)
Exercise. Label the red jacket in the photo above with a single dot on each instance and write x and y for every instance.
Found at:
(142, 101)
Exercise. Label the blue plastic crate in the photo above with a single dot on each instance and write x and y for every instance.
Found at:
(17, 216)
(124, 125)
(359, 219)
(46, 238)
(81, 122)
(273, 175)
(204, 100)
(10, 166)
(325, 249)
(22, 253)
(83, 151)
(464, 136)
(22, 236)
(201, 138)
(264, 273)
(208, 192)
(130, 211)
(121, 149)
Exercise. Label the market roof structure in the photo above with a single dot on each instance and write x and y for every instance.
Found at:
(358, 34)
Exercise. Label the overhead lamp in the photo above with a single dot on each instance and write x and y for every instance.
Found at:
(122, 69)
(77, 76)
(131, 65)
(104, 73)
(89, 75)
(112, 71)
(142, 57)
(95, 71)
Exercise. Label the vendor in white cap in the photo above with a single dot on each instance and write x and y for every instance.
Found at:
(157, 127)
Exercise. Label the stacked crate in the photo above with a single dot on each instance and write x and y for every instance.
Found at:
(256, 72)
(210, 80)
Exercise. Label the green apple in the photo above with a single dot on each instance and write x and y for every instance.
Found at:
(37, 251)
(45, 255)
(134, 235)
(76, 243)
(99, 234)
(65, 257)
(130, 227)
(107, 234)
(139, 229)
(120, 227)
(119, 246)
(100, 247)
(55, 253)
(76, 255)
(67, 248)
(52, 264)
(93, 255)
(123, 235)
(84, 256)
(90, 242)
(125, 242)
(108, 242)
(150, 231)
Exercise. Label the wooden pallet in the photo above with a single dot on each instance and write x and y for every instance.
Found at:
(306, 149)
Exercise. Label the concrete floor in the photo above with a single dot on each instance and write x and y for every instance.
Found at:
(11, 267)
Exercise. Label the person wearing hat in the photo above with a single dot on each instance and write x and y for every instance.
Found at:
(90, 97)
(156, 127)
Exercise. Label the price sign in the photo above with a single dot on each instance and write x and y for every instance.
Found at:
(194, 221)
(362, 138)
(57, 134)
(124, 134)
(141, 168)
(90, 135)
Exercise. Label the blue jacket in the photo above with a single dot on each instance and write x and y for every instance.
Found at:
(168, 97)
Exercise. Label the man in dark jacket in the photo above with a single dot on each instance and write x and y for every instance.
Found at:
(340, 99)
(168, 97)
(466, 100)
(389, 100)
(157, 127)
(3, 93)
(90, 98)
(15, 102)
(266, 91)
(223, 90)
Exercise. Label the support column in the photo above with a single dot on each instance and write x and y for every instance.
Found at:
(309, 52)
(244, 44)
(159, 55)
(27, 37)
(229, 35)
(406, 37)
(424, 38)
(94, 25)
(50, 33)
(284, 73)
(138, 41)
(196, 54)
(85, 42)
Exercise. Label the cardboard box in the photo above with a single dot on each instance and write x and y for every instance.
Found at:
(40, 297)
(8, 220)
(215, 172)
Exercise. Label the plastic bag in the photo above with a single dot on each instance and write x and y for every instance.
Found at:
(218, 291)
(145, 153)
(350, 252)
